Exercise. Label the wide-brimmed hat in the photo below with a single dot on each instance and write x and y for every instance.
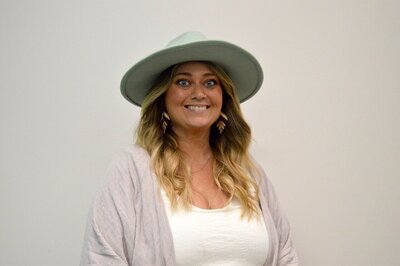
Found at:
(242, 67)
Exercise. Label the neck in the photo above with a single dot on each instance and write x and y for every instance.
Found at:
(195, 146)
(197, 153)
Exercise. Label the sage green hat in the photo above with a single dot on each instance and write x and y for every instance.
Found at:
(242, 67)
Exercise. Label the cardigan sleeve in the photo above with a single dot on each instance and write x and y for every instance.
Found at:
(284, 251)
(110, 226)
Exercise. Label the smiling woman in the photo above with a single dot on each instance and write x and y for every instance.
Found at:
(188, 192)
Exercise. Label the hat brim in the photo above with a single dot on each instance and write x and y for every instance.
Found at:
(244, 70)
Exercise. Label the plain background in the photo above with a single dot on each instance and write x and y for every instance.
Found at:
(325, 123)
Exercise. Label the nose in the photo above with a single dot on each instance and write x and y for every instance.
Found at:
(198, 92)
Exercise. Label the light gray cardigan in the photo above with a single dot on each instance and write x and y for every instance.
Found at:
(128, 224)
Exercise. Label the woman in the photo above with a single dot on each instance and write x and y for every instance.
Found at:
(188, 193)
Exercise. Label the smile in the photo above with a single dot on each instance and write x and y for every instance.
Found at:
(197, 107)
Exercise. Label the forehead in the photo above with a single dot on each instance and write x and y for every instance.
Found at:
(194, 67)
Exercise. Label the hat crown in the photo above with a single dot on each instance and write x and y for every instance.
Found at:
(186, 38)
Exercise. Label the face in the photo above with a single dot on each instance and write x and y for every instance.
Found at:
(194, 99)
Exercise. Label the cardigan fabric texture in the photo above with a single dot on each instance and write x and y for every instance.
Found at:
(128, 224)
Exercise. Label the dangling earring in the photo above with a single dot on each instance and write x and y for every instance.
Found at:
(165, 120)
(223, 120)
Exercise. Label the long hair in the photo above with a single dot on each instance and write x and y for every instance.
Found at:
(232, 168)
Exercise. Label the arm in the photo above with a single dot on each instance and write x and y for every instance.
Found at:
(110, 227)
(283, 252)
(286, 252)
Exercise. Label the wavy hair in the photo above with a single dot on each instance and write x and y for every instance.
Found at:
(232, 167)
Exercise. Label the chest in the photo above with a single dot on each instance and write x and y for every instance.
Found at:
(217, 236)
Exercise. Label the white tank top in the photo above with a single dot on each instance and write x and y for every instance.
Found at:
(205, 237)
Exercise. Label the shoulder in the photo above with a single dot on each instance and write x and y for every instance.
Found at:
(259, 175)
(128, 165)
(130, 156)
(265, 186)
(132, 151)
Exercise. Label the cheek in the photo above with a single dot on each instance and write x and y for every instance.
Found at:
(175, 95)
(174, 98)
(218, 98)
(168, 100)
(170, 97)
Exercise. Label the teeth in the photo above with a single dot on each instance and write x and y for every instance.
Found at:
(197, 108)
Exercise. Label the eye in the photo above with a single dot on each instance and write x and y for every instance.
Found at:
(210, 83)
(182, 83)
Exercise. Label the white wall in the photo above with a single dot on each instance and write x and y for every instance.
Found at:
(326, 121)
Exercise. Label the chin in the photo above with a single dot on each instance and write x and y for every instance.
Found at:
(199, 126)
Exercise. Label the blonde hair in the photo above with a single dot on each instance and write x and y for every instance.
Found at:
(232, 167)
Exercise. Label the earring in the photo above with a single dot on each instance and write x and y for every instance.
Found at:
(165, 120)
(223, 120)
